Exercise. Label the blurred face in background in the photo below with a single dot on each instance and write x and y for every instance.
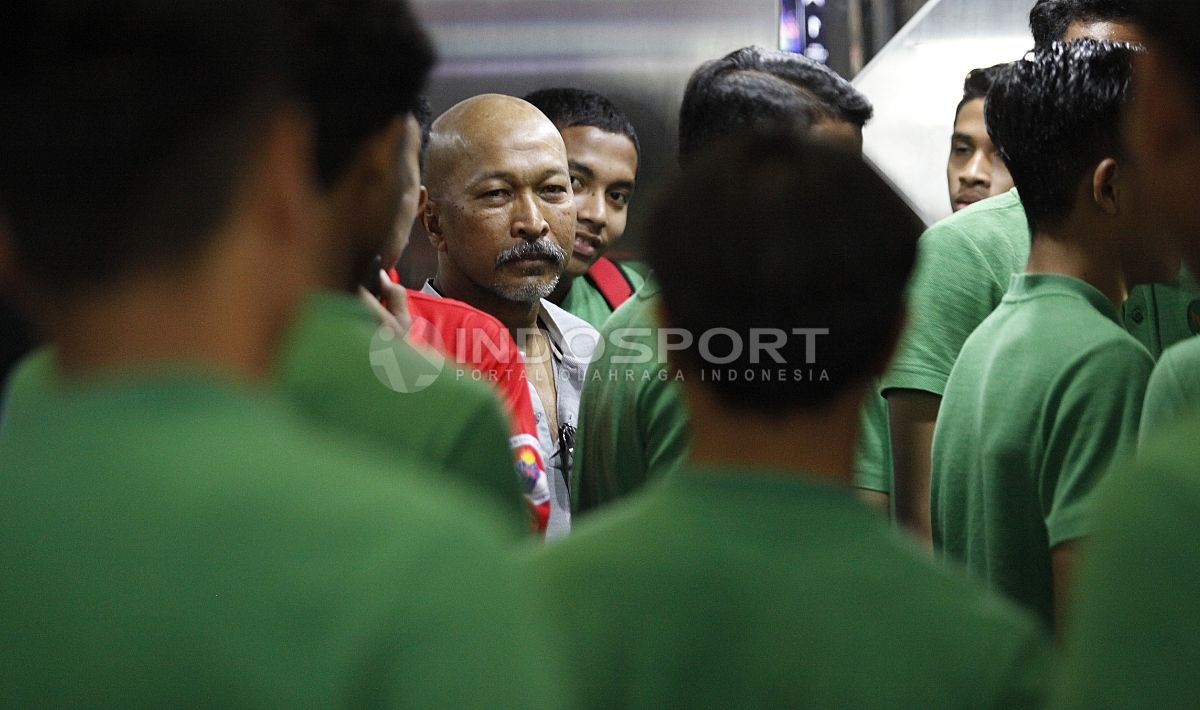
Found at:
(975, 170)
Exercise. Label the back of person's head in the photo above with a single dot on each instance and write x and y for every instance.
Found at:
(760, 87)
(765, 233)
(978, 83)
(126, 129)
(567, 107)
(359, 64)
(1173, 23)
(1049, 19)
(424, 115)
(1055, 116)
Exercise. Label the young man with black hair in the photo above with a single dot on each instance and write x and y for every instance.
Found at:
(1134, 636)
(602, 151)
(964, 265)
(173, 533)
(975, 170)
(1048, 390)
(752, 576)
(633, 425)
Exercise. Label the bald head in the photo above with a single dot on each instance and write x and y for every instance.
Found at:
(487, 121)
(500, 212)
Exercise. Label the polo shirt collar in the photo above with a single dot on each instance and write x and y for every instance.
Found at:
(1024, 286)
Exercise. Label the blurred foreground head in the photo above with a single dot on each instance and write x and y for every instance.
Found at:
(766, 234)
(135, 133)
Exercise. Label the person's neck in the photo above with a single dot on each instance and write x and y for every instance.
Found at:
(214, 314)
(515, 315)
(343, 267)
(560, 291)
(1074, 251)
(814, 443)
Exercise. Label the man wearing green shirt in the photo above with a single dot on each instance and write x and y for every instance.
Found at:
(366, 155)
(752, 576)
(602, 153)
(1048, 390)
(1134, 640)
(633, 425)
(963, 269)
(173, 534)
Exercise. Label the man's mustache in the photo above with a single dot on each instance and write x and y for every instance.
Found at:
(540, 249)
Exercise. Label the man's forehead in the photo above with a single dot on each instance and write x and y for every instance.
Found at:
(1103, 30)
(513, 156)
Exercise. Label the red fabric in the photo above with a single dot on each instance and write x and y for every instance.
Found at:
(474, 339)
(610, 281)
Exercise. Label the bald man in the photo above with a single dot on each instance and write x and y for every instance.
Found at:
(501, 216)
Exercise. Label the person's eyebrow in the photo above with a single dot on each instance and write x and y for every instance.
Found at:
(578, 167)
(957, 136)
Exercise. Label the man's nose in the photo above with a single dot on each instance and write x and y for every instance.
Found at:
(528, 220)
(978, 170)
(590, 208)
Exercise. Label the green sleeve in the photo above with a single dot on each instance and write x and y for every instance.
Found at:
(663, 425)
(1134, 637)
(1092, 419)
(873, 457)
(480, 452)
(1174, 388)
(952, 290)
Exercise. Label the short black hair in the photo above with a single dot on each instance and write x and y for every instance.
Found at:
(1173, 24)
(567, 107)
(1049, 19)
(126, 127)
(424, 115)
(776, 229)
(1054, 116)
(977, 84)
(756, 86)
(358, 65)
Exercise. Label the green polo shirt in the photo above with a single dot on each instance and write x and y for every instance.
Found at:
(1045, 394)
(173, 537)
(964, 264)
(723, 587)
(632, 421)
(873, 459)
(584, 300)
(1174, 389)
(452, 424)
(1134, 635)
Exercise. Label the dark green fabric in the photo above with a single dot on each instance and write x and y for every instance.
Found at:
(1174, 389)
(1134, 638)
(1046, 393)
(585, 301)
(632, 421)
(720, 588)
(175, 538)
(453, 424)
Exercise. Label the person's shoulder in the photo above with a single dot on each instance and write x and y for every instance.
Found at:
(1182, 356)
(997, 220)
(450, 310)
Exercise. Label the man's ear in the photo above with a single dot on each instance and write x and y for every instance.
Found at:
(1105, 190)
(431, 220)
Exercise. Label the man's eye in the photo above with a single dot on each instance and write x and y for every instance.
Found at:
(576, 184)
(496, 194)
(554, 190)
(619, 198)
